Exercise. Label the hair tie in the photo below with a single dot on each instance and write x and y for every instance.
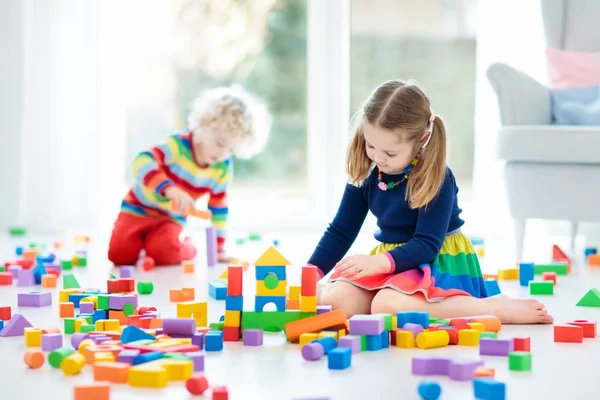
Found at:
(431, 119)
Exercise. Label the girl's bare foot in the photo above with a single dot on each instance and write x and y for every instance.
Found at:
(520, 311)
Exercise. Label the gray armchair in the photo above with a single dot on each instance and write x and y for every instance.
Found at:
(551, 171)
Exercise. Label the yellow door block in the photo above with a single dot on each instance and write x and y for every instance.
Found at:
(308, 303)
(197, 310)
(405, 339)
(280, 290)
(306, 338)
(468, 337)
(233, 318)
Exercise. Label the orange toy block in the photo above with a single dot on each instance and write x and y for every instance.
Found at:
(177, 295)
(188, 267)
(309, 279)
(234, 280)
(30, 254)
(490, 276)
(92, 391)
(90, 351)
(34, 359)
(66, 310)
(49, 281)
(292, 305)
(593, 260)
(333, 320)
(490, 323)
(118, 315)
(115, 372)
(568, 334)
(484, 372)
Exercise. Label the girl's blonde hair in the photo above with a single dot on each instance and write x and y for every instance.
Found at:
(234, 110)
(403, 108)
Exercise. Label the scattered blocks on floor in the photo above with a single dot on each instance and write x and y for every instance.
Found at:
(429, 390)
(339, 358)
(522, 343)
(589, 327)
(541, 288)
(15, 326)
(526, 273)
(495, 347)
(489, 389)
(568, 334)
(519, 361)
(549, 276)
(590, 299)
(34, 359)
(508, 274)
(213, 341)
(468, 337)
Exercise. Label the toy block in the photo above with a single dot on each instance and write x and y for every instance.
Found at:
(126, 271)
(476, 326)
(339, 358)
(519, 361)
(483, 372)
(73, 364)
(219, 393)
(458, 323)
(452, 333)
(568, 334)
(491, 287)
(468, 337)
(127, 356)
(329, 343)
(432, 339)
(56, 357)
(558, 255)
(114, 372)
(149, 376)
(213, 341)
(489, 389)
(235, 280)
(147, 357)
(253, 337)
(197, 359)
(488, 335)
(332, 334)
(393, 336)
(271, 321)
(549, 276)
(76, 298)
(292, 304)
(462, 370)
(132, 334)
(508, 274)
(405, 339)
(6, 278)
(148, 264)
(352, 342)
(231, 333)
(217, 289)
(33, 337)
(145, 287)
(93, 391)
(63, 295)
(526, 273)
(589, 250)
(233, 318)
(26, 277)
(48, 281)
(103, 357)
(188, 267)
(70, 282)
(429, 390)
(179, 326)
(176, 295)
(293, 292)
(271, 257)
(196, 385)
(86, 307)
(196, 310)
(495, 347)
(522, 343)
(589, 327)
(98, 315)
(420, 318)
(541, 288)
(117, 315)
(332, 320)
(34, 359)
(72, 325)
(590, 299)
(309, 279)
(66, 265)
(261, 301)
(5, 313)
(561, 268)
(312, 351)
(414, 328)
(490, 323)
(234, 303)
(278, 290)
(262, 271)
(309, 304)
(211, 246)
(365, 324)
(428, 365)
(593, 260)
(119, 302)
(15, 326)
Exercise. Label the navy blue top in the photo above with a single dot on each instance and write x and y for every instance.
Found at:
(422, 230)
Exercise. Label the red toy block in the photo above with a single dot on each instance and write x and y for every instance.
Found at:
(453, 333)
(5, 278)
(231, 333)
(568, 334)
(393, 336)
(589, 327)
(459, 323)
(5, 313)
(144, 309)
(560, 256)
(127, 284)
(113, 286)
(134, 320)
(234, 280)
(522, 343)
(148, 263)
(549, 276)
(219, 393)
(309, 280)
(25, 263)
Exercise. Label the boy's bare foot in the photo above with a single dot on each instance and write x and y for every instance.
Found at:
(520, 311)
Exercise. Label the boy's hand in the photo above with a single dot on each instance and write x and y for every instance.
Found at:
(358, 266)
(184, 203)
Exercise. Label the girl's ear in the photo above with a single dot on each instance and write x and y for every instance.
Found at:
(424, 139)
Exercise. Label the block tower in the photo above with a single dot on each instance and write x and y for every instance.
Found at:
(308, 290)
(271, 283)
(234, 303)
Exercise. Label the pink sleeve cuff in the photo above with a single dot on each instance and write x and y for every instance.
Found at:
(392, 262)
(321, 274)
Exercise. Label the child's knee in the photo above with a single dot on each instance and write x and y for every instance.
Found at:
(333, 295)
(385, 302)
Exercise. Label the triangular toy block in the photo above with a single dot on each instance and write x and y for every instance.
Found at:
(132, 333)
(271, 257)
(559, 255)
(590, 299)
(70, 282)
(16, 326)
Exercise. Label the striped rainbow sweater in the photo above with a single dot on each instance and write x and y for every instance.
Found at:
(174, 163)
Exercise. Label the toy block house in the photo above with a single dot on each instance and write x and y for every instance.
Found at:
(271, 280)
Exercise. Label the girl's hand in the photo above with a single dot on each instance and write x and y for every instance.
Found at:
(224, 258)
(183, 202)
(358, 266)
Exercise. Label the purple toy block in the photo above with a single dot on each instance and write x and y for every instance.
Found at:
(51, 341)
(34, 299)
(151, 314)
(198, 360)
(158, 331)
(312, 351)
(181, 326)
(14, 270)
(26, 278)
(351, 341)
(16, 326)
(79, 337)
(431, 365)
(414, 328)
(323, 309)
(126, 272)
(86, 308)
(127, 356)
(101, 339)
(462, 370)
(365, 324)
(118, 302)
(198, 339)
(211, 246)
(496, 347)
(253, 337)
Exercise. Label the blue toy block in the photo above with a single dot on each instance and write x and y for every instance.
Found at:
(222, 319)
(234, 303)
(328, 342)
(19, 251)
(491, 287)
(261, 272)
(147, 357)
(38, 271)
(526, 272)
(414, 317)
(339, 358)
(213, 341)
(429, 390)
(385, 339)
(588, 251)
(217, 290)
(261, 301)
(75, 298)
(98, 315)
(374, 342)
(477, 241)
(1, 324)
(133, 333)
(488, 389)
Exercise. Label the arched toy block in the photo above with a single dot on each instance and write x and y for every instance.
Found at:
(261, 301)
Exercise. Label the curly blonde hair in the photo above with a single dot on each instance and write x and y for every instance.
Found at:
(234, 110)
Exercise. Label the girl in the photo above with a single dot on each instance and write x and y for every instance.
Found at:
(397, 167)
(197, 162)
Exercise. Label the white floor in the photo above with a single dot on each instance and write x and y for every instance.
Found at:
(277, 370)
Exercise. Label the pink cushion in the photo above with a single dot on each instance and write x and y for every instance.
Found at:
(572, 69)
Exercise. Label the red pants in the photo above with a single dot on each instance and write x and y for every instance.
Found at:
(158, 236)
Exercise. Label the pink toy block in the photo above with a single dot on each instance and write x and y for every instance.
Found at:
(34, 299)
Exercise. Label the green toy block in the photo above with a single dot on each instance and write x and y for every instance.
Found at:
(388, 321)
(128, 309)
(70, 282)
(543, 287)
(112, 276)
(69, 326)
(271, 321)
(240, 241)
(81, 261)
(2, 269)
(217, 326)
(590, 299)
(433, 320)
(92, 291)
(55, 357)
(143, 342)
(271, 281)
(17, 230)
(443, 322)
(102, 302)
(490, 335)
(66, 265)
(145, 287)
(176, 356)
(254, 236)
(87, 328)
(89, 319)
(519, 361)
(363, 342)
(560, 268)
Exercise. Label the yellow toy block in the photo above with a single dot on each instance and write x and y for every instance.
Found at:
(480, 251)
(85, 343)
(468, 337)
(333, 334)
(100, 325)
(432, 339)
(308, 303)
(394, 322)
(79, 323)
(509, 274)
(405, 339)
(177, 370)
(150, 375)
(280, 290)
(196, 309)
(33, 337)
(104, 356)
(63, 295)
(112, 325)
(476, 326)
(341, 333)
(73, 364)
(306, 338)
(272, 258)
(233, 318)
(294, 293)
(91, 299)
